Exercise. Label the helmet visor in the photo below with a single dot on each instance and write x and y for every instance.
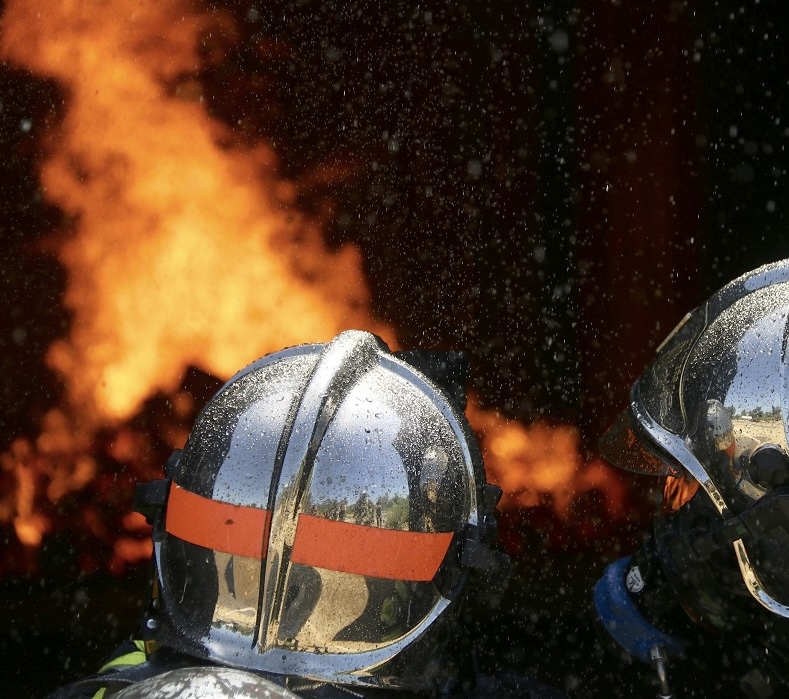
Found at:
(629, 447)
(656, 396)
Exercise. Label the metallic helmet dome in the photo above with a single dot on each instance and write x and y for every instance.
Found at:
(321, 519)
(205, 683)
(711, 414)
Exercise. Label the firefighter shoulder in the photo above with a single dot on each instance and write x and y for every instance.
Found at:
(322, 526)
(709, 417)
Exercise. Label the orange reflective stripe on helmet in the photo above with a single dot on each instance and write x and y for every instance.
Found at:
(220, 526)
(323, 543)
(370, 551)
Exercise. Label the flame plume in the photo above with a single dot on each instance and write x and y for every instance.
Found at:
(188, 249)
(539, 461)
(185, 249)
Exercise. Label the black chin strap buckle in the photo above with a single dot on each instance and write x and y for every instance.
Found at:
(478, 551)
(150, 498)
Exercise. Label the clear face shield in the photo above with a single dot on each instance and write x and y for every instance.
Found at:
(708, 414)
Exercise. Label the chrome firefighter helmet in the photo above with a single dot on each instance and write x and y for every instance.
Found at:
(212, 682)
(710, 415)
(323, 518)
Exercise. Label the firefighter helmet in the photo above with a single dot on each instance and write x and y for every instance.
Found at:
(711, 415)
(205, 683)
(323, 518)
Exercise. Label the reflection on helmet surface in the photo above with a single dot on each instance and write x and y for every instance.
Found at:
(732, 390)
(677, 491)
(350, 613)
(373, 462)
(237, 599)
(228, 434)
(205, 683)
(315, 517)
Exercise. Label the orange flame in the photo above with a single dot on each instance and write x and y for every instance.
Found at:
(539, 463)
(187, 250)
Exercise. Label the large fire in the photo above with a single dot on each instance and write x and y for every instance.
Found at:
(187, 249)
